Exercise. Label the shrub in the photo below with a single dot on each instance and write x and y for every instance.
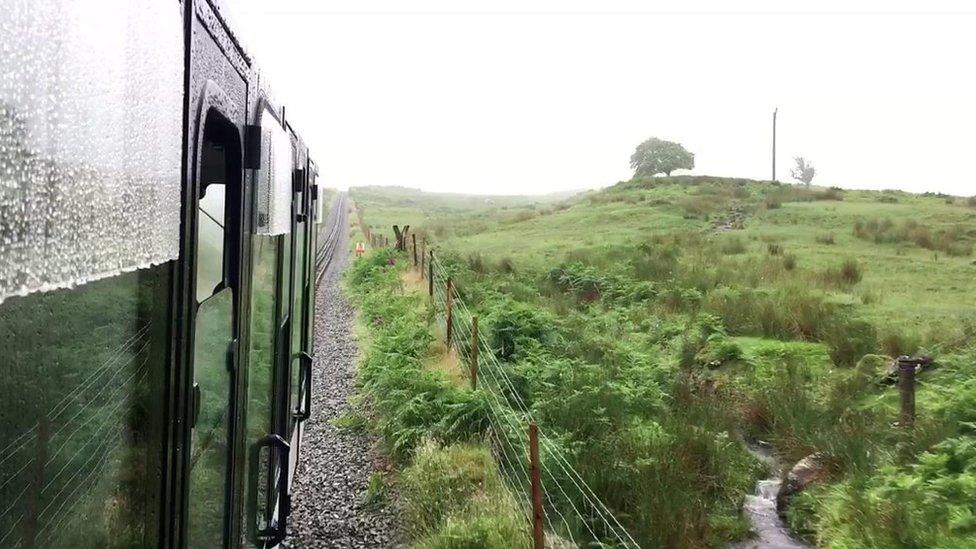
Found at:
(789, 262)
(506, 265)
(847, 274)
(656, 262)
(476, 263)
(514, 325)
(719, 350)
(676, 298)
(929, 504)
(454, 497)
(850, 271)
(849, 340)
(733, 245)
(826, 238)
(894, 343)
(951, 241)
(774, 249)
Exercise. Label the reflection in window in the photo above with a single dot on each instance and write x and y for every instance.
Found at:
(260, 376)
(82, 374)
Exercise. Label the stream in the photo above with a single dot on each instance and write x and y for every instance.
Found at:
(771, 532)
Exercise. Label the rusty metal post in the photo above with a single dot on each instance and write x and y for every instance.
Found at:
(430, 273)
(474, 353)
(414, 238)
(538, 535)
(450, 310)
(906, 388)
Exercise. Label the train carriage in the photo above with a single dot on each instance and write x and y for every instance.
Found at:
(159, 243)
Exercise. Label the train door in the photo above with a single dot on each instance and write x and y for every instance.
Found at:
(216, 315)
(212, 292)
(301, 358)
(269, 342)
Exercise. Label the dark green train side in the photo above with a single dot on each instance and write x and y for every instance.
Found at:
(161, 228)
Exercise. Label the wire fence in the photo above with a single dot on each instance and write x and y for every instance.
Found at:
(573, 514)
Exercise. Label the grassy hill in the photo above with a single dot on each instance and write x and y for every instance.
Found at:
(913, 253)
(655, 322)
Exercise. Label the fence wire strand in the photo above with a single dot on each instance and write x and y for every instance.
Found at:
(571, 505)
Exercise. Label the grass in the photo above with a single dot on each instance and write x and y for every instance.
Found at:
(917, 282)
(451, 492)
(648, 341)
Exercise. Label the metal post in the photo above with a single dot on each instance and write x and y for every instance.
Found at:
(538, 536)
(906, 387)
(450, 310)
(474, 353)
(430, 273)
(414, 238)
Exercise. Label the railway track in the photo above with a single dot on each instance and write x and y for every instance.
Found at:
(326, 252)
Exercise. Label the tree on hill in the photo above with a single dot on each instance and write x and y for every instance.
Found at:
(804, 170)
(655, 156)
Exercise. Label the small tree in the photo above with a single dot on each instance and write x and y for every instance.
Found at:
(655, 156)
(804, 171)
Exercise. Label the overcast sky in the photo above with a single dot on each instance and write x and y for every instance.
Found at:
(535, 96)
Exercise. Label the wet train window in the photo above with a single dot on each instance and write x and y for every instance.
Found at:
(90, 148)
(269, 314)
(217, 252)
(211, 219)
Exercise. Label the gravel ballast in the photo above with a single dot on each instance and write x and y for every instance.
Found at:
(329, 506)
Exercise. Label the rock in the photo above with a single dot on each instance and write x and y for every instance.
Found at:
(891, 374)
(807, 471)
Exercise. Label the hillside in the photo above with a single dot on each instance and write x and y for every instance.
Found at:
(655, 323)
(914, 253)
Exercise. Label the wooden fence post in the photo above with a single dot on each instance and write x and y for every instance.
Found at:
(414, 238)
(538, 535)
(450, 311)
(430, 273)
(474, 353)
(906, 387)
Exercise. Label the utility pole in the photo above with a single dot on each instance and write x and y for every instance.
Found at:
(774, 142)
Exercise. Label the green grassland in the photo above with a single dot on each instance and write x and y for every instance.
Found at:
(440, 213)
(654, 324)
(903, 284)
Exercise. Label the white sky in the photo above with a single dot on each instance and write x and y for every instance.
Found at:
(535, 96)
